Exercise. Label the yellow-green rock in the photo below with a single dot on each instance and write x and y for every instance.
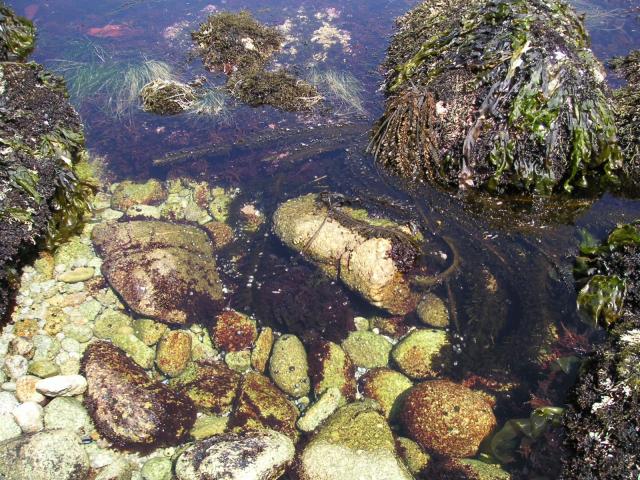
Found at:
(149, 331)
(485, 471)
(386, 387)
(288, 366)
(76, 275)
(238, 361)
(127, 193)
(262, 350)
(208, 426)
(112, 322)
(414, 457)
(331, 367)
(173, 352)
(432, 311)
(135, 348)
(367, 349)
(421, 353)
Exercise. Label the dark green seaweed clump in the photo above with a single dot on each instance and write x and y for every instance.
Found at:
(602, 424)
(627, 102)
(228, 41)
(504, 95)
(17, 35)
(45, 180)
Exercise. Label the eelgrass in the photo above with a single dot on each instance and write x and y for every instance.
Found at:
(342, 89)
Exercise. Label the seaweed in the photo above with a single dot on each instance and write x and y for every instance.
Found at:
(167, 97)
(501, 94)
(17, 35)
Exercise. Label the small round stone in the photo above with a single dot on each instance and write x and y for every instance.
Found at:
(288, 366)
(386, 387)
(29, 416)
(234, 331)
(414, 457)
(432, 311)
(157, 468)
(420, 353)
(26, 389)
(367, 349)
(174, 352)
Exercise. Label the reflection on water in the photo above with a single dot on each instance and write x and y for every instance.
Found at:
(514, 278)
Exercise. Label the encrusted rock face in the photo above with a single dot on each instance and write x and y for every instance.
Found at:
(49, 455)
(363, 252)
(128, 407)
(127, 194)
(331, 367)
(355, 443)
(161, 270)
(447, 418)
(261, 405)
(263, 455)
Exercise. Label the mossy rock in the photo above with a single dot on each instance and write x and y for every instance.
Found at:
(234, 331)
(128, 193)
(17, 35)
(331, 367)
(288, 366)
(173, 352)
(228, 41)
(367, 349)
(260, 404)
(420, 354)
(167, 97)
(149, 331)
(478, 97)
(211, 385)
(387, 387)
(412, 454)
(278, 89)
(432, 311)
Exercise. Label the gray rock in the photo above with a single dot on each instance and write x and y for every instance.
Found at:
(48, 455)
(8, 427)
(118, 470)
(68, 414)
(158, 468)
(261, 455)
(29, 415)
(8, 402)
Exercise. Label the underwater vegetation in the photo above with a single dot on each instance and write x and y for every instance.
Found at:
(17, 35)
(117, 82)
(601, 424)
(239, 46)
(167, 97)
(506, 96)
(342, 89)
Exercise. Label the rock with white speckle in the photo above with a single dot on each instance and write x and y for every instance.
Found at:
(62, 386)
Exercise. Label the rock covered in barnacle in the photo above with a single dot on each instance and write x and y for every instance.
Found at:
(263, 455)
(447, 418)
(161, 270)
(351, 246)
(127, 406)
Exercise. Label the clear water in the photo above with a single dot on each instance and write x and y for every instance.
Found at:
(322, 151)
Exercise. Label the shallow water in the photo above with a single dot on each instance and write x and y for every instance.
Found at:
(301, 153)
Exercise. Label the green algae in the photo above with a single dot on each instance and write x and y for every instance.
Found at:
(17, 35)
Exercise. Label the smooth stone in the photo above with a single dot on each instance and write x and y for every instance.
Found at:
(321, 410)
(8, 427)
(118, 470)
(135, 348)
(16, 366)
(330, 366)
(421, 352)
(157, 468)
(62, 386)
(29, 416)
(77, 275)
(68, 414)
(149, 331)
(367, 349)
(432, 311)
(262, 350)
(43, 368)
(288, 366)
(387, 387)
(80, 333)
(26, 389)
(48, 455)
(8, 402)
(173, 352)
(111, 322)
(208, 426)
(263, 455)
(238, 361)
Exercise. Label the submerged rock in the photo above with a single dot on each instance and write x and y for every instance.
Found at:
(167, 97)
(355, 443)
(369, 255)
(129, 408)
(387, 387)
(261, 405)
(234, 331)
(49, 455)
(420, 354)
(127, 194)
(161, 270)
(288, 366)
(498, 95)
(263, 455)
(447, 418)
(330, 367)
(174, 352)
(367, 349)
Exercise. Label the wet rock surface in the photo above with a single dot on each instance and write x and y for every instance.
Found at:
(263, 455)
(129, 408)
(162, 270)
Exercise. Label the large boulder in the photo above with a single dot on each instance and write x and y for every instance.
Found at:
(498, 95)
(48, 455)
(355, 443)
(263, 455)
(369, 255)
(161, 270)
(127, 406)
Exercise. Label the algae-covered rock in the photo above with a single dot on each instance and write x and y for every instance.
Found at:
(485, 471)
(68, 414)
(260, 404)
(174, 352)
(288, 366)
(317, 413)
(135, 348)
(263, 455)
(129, 408)
(48, 455)
(239, 361)
(355, 443)
(278, 89)
(127, 194)
(420, 354)
(387, 387)
(413, 456)
(262, 350)
(229, 41)
(161, 270)
(149, 331)
(447, 418)
(111, 322)
(367, 349)
(208, 426)
(17, 35)
(331, 367)
(497, 95)
(368, 255)
(211, 385)
(167, 97)
(432, 311)
(157, 468)
(234, 331)
(42, 198)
